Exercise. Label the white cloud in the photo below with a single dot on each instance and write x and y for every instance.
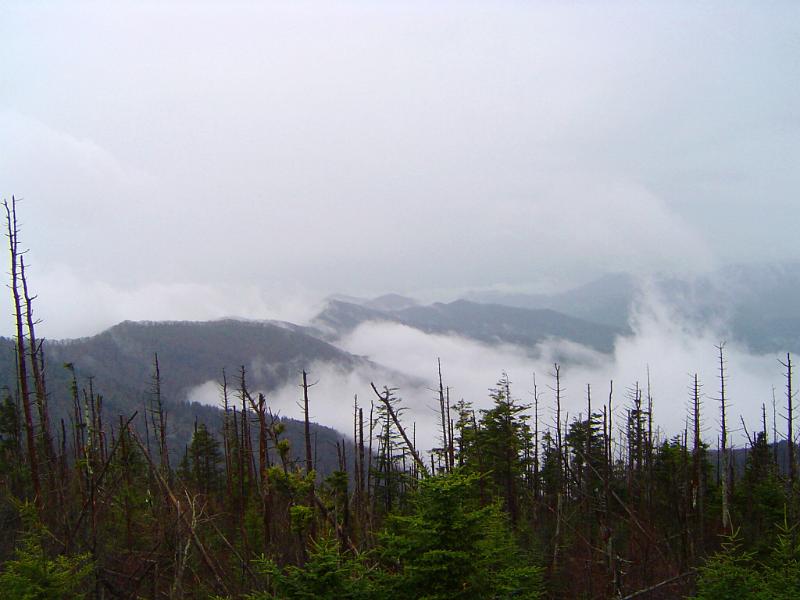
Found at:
(671, 348)
(354, 147)
(71, 306)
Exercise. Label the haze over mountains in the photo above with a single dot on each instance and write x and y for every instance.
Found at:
(752, 304)
(488, 323)
(598, 330)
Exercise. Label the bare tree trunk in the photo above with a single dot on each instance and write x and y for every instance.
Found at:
(445, 444)
(22, 370)
(698, 483)
(370, 495)
(162, 420)
(36, 365)
(306, 425)
(450, 445)
(790, 432)
(361, 482)
(309, 455)
(559, 445)
(226, 437)
(649, 446)
(561, 471)
(535, 440)
(774, 429)
(723, 401)
(390, 411)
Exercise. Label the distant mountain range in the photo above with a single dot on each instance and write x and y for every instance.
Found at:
(606, 300)
(756, 305)
(488, 323)
(192, 353)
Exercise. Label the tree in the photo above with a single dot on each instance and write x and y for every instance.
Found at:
(501, 440)
(200, 464)
(327, 575)
(33, 575)
(451, 548)
(729, 574)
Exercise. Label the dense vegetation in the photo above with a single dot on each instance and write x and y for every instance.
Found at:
(519, 500)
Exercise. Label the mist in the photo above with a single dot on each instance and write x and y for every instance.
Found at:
(278, 150)
(667, 347)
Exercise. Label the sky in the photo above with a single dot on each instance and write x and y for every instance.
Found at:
(202, 159)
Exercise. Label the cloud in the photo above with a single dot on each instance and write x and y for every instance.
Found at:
(358, 148)
(665, 346)
(71, 306)
(331, 397)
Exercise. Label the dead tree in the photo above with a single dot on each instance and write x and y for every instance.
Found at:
(307, 424)
(226, 436)
(535, 439)
(259, 407)
(723, 405)
(309, 454)
(385, 398)
(37, 364)
(790, 430)
(22, 359)
(561, 463)
(444, 420)
(160, 426)
(698, 483)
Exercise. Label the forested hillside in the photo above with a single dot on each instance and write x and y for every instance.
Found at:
(119, 366)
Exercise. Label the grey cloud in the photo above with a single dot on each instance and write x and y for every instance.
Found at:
(361, 147)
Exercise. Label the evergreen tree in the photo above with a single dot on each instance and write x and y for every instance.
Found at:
(451, 548)
(200, 466)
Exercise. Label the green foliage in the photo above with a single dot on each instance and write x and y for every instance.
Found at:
(326, 575)
(449, 547)
(33, 575)
(500, 442)
(782, 575)
(300, 517)
(200, 464)
(734, 573)
(11, 466)
(728, 574)
(759, 500)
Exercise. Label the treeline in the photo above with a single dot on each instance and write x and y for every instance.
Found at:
(519, 500)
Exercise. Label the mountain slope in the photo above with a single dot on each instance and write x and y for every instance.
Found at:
(606, 300)
(191, 353)
(120, 363)
(489, 323)
(753, 304)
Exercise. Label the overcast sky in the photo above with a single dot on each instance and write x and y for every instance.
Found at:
(200, 159)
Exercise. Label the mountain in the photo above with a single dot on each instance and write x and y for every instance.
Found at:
(391, 302)
(192, 353)
(340, 317)
(489, 323)
(754, 304)
(119, 362)
(386, 302)
(606, 300)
